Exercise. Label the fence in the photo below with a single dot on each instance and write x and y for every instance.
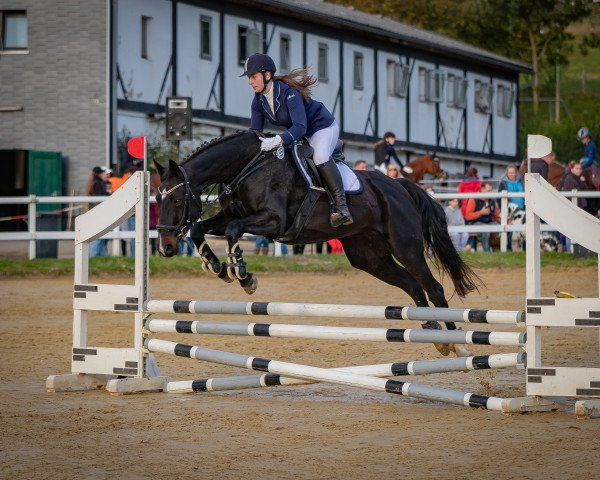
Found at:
(32, 235)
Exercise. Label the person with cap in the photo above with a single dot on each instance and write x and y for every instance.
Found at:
(98, 185)
(589, 147)
(286, 101)
(385, 153)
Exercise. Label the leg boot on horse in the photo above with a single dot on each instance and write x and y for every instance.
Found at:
(333, 180)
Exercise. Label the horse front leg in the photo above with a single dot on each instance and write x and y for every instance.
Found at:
(210, 262)
(259, 224)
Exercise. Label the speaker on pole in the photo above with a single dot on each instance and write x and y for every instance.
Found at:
(179, 118)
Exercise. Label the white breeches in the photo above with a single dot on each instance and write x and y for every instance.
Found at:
(323, 143)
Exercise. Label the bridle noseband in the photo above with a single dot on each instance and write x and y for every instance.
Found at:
(185, 223)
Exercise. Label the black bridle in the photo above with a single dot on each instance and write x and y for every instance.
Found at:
(186, 221)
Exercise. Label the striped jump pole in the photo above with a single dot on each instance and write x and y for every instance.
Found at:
(424, 314)
(332, 376)
(417, 367)
(407, 335)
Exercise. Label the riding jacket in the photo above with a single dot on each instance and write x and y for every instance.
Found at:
(589, 154)
(299, 117)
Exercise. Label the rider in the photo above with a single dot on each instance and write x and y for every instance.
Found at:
(285, 101)
(385, 153)
(589, 147)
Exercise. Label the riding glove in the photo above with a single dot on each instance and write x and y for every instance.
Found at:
(267, 144)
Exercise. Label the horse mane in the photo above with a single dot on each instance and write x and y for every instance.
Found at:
(211, 143)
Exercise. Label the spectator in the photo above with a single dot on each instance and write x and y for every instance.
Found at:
(589, 147)
(511, 182)
(455, 218)
(99, 186)
(261, 245)
(574, 180)
(392, 171)
(482, 211)
(385, 154)
(360, 165)
(540, 165)
(470, 184)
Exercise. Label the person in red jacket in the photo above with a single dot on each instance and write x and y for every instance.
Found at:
(483, 211)
(470, 184)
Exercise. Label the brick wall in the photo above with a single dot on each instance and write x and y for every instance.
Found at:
(60, 83)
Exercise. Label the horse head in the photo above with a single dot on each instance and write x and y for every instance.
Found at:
(436, 169)
(179, 207)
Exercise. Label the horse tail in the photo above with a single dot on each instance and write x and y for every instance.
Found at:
(438, 242)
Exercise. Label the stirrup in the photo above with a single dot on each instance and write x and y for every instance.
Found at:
(337, 218)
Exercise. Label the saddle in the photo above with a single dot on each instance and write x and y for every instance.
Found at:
(303, 157)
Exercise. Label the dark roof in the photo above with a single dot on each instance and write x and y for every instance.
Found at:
(390, 30)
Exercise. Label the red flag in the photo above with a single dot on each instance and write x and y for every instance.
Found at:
(135, 147)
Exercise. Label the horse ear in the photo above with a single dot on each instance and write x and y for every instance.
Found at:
(174, 168)
(160, 169)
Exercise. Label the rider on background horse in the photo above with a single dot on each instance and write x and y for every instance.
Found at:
(589, 147)
(285, 101)
(385, 153)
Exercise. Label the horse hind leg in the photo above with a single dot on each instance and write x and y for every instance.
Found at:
(384, 267)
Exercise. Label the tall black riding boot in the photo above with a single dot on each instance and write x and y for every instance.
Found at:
(333, 180)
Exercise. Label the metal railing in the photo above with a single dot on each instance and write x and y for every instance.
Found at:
(32, 235)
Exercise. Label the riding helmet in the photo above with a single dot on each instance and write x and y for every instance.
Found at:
(259, 62)
(583, 132)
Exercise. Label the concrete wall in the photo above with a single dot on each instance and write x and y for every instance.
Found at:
(61, 83)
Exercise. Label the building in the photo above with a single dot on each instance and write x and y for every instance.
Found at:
(82, 79)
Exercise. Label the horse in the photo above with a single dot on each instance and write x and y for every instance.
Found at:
(423, 165)
(261, 193)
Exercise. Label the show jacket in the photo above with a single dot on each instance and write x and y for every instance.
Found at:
(299, 117)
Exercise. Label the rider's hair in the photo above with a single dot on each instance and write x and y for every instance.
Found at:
(300, 79)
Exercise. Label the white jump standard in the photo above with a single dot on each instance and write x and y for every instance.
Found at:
(416, 367)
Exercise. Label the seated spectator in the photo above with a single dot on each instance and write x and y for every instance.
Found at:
(454, 218)
(574, 180)
(470, 184)
(360, 165)
(512, 182)
(482, 211)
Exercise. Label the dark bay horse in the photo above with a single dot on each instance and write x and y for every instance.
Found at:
(395, 222)
(423, 165)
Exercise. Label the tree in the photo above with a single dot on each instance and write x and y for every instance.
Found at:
(534, 31)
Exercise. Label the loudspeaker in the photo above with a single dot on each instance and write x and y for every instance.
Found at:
(179, 118)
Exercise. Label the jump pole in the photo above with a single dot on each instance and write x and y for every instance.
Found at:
(305, 372)
(458, 315)
(417, 367)
(406, 335)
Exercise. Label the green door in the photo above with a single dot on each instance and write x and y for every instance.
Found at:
(44, 176)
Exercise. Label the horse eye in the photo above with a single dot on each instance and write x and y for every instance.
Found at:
(177, 202)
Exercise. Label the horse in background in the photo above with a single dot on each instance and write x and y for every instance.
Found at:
(425, 164)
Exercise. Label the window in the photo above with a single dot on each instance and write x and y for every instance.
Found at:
(431, 85)
(323, 67)
(205, 33)
(284, 53)
(145, 35)
(14, 30)
(505, 98)
(398, 76)
(484, 97)
(249, 42)
(457, 91)
(358, 71)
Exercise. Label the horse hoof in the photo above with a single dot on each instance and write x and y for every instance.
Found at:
(431, 325)
(443, 348)
(249, 284)
(460, 351)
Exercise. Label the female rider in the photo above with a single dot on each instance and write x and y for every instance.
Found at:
(285, 101)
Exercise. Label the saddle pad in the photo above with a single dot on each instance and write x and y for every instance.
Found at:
(351, 182)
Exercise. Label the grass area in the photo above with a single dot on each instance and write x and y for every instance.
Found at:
(186, 266)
